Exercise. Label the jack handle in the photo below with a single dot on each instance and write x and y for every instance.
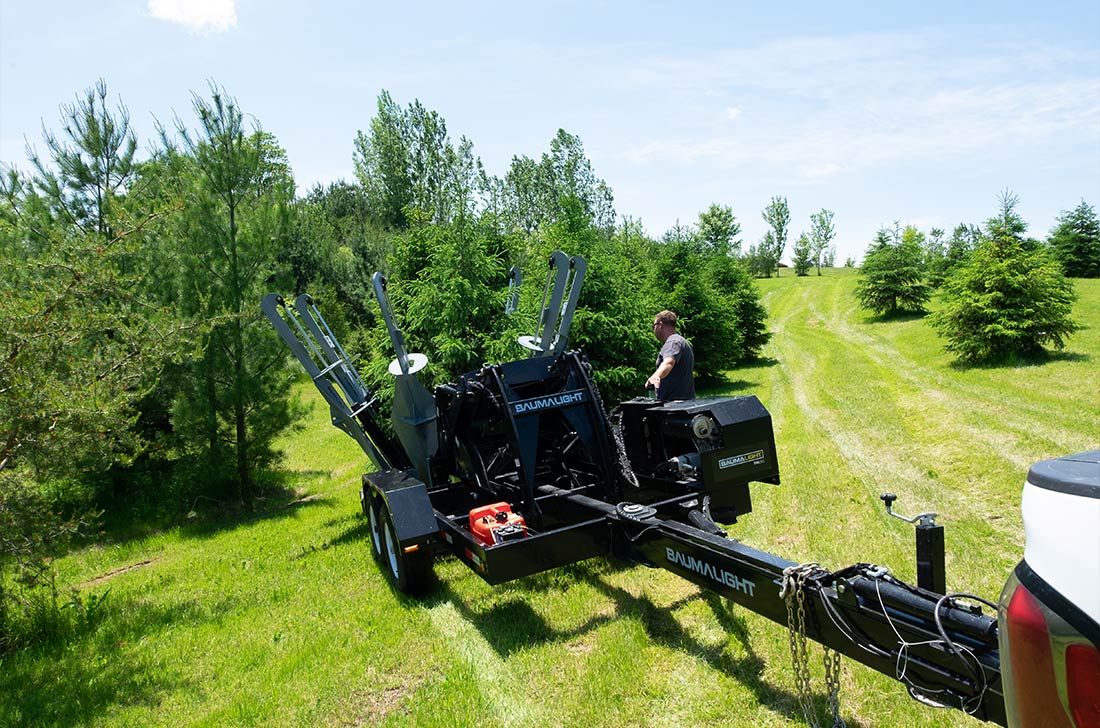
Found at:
(928, 518)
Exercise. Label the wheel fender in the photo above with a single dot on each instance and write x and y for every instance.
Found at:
(407, 501)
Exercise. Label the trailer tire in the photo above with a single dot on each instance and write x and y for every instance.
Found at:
(409, 572)
(373, 507)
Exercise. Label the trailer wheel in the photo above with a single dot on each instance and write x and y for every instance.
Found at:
(408, 572)
(372, 506)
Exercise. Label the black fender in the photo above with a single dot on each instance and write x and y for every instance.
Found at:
(406, 499)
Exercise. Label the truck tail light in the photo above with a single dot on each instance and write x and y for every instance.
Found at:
(1032, 664)
(1051, 672)
(1083, 684)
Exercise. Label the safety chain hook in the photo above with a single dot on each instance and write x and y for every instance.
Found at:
(794, 593)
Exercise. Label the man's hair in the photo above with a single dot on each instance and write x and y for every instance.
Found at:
(667, 317)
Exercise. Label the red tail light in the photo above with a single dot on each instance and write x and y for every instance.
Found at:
(1033, 680)
(1083, 684)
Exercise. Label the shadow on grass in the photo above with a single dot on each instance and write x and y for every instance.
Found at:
(80, 680)
(214, 523)
(1022, 362)
(513, 625)
(733, 381)
(132, 519)
(356, 533)
(894, 317)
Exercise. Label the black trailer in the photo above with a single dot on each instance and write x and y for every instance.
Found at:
(518, 468)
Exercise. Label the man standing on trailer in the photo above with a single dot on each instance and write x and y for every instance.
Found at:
(675, 375)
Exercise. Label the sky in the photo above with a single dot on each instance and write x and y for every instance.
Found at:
(921, 113)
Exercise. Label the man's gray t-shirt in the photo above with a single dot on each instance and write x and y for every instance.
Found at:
(680, 382)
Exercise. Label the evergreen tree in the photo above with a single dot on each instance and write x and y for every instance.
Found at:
(91, 165)
(77, 336)
(235, 187)
(1008, 299)
(1076, 242)
(731, 278)
(703, 310)
(892, 277)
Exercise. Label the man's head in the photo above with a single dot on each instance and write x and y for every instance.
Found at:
(664, 325)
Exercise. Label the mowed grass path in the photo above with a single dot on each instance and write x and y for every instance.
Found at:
(285, 620)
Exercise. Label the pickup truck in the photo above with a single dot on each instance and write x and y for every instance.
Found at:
(1049, 611)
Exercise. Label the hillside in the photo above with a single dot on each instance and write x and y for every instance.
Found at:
(284, 619)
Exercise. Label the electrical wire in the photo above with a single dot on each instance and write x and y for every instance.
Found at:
(979, 672)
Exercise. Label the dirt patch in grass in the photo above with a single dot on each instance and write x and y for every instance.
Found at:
(304, 499)
(113, 573)
(371, 708)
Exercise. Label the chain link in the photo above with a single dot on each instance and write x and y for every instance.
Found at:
(794, 593)
(620, 446)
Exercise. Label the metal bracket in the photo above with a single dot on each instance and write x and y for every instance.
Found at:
(405, 363)
(557, 309)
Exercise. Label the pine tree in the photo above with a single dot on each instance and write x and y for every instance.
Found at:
(235, 186)
(1076, 242)
(892, 277)
(1008, 299)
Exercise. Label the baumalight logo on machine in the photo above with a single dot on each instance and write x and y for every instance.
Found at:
(710, 571)
(555, 400)
(755, 457)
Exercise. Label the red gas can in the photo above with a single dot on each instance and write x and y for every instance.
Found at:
(496, 523)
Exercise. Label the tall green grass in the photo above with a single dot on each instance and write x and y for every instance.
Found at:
(284, 619)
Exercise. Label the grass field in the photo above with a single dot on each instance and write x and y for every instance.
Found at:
(285, 620)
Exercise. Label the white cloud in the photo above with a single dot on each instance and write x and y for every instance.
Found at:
(828, 107)
(201, 16)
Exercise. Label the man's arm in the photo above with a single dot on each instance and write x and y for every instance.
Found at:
(662, 371)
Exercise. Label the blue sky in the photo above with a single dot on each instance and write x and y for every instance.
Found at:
(916, 112)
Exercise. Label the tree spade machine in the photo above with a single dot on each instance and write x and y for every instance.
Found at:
(517, 468)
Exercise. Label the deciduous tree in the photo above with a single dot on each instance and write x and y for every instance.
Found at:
(778, 217)
(803, 255)
(408, 161)
(822, 232)
(718, 229)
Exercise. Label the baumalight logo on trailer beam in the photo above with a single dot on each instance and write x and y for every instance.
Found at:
(710, 571)
(526, 406)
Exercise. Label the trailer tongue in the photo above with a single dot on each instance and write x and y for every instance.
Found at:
(517, 468)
